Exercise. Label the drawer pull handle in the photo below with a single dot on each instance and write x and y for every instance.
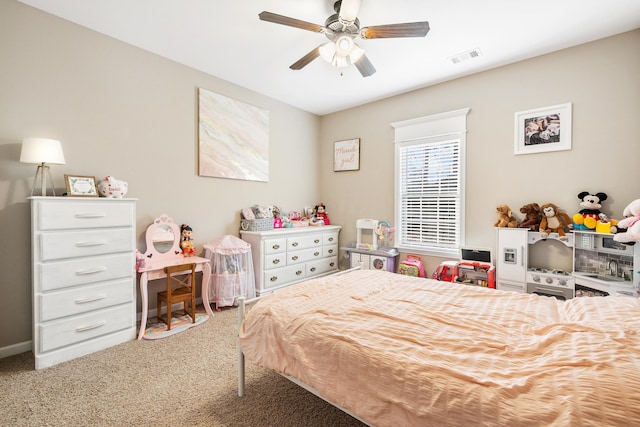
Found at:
(294, 244)
(316, 241)
(276, 261)
(90, 215)
(91, 271)
(274, 278)
(91, 299)
(313, 269)
(93, 243)
(330, 239)
(294, 258)
(316, 253)
(298, 273)
(90, 327)
(330, 251)
(276, 246)
(332, 264)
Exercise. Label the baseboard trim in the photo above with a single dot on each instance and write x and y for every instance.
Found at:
(14, 349)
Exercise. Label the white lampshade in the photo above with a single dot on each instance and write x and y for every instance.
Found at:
(41, 150)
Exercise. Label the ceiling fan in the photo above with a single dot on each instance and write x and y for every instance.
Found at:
(341, 29)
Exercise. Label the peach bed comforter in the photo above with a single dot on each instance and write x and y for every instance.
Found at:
(403, 351)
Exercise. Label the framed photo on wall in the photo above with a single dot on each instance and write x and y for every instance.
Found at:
(543, 129)
(346, 155)
(81, 186)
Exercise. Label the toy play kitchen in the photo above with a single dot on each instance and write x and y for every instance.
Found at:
(375, 255)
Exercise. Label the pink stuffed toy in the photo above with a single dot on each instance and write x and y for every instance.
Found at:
(631, 223)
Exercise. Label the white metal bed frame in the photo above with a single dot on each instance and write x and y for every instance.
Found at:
(243, 304)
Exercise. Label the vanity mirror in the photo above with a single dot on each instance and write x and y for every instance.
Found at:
(163, 239)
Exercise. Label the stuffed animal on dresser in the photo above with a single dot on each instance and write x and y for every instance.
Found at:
(554, 221)
(186, 241)
(321, 214)
(532, 216)
(505, 217)
(630, 225)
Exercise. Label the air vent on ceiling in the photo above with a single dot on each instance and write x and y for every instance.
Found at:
(473, 53)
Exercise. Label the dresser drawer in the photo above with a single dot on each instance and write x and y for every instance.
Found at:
(73, 301)
(59, 333)
(275, 278)
(296, 257)
(330, 250)
(305, 241)
(70, 244)
(275, 246)
(330, 238)
(322, 266)
(70, 214)
(275, 261)
(63, 274)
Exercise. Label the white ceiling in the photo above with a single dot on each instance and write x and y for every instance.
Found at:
(225, 38)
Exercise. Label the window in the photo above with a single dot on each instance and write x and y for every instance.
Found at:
(429, 190)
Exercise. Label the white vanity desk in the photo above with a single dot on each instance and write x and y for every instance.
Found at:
(163, 250)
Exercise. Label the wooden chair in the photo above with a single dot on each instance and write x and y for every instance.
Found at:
(181, 287)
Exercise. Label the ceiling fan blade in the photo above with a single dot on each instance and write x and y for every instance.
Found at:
(291, 22)
(305, 60)
(349, 10)
(409, 29)
(365, 66)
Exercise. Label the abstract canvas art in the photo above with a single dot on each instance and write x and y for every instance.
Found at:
(233, 138)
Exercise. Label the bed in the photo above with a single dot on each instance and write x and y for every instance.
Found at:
(395, 350)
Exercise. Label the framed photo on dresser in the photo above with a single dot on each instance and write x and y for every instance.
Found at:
(81, 186)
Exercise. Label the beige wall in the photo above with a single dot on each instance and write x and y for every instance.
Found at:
(125, 112)
(601, 80)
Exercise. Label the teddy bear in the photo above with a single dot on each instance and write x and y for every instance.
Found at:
(631, 224)
(554, 221)
(532, 216)
(590, 213)
(505, 217)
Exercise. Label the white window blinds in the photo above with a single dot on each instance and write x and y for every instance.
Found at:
(429, 184)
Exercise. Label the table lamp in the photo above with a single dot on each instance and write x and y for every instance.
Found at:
(42, 151)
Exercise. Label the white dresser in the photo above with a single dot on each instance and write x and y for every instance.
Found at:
(285, 256)
(83, 276)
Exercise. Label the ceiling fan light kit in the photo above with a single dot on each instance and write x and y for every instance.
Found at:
(341, 29)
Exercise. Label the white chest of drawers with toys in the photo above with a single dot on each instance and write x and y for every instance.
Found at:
(282, 257)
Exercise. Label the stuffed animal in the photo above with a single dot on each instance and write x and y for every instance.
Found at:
(590, 214)
(505, 217)
(631, 223)
(186, 241)
(532, 216)
(321, 214)
(554, 221)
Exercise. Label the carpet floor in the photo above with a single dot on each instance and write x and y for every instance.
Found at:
(187, 379)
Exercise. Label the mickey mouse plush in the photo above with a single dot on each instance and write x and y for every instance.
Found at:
(590, 213)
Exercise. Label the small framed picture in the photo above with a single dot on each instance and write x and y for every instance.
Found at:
(346, 155)
(83, 186)
(543, 129)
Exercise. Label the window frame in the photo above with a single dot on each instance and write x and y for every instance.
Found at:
(440, 129)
